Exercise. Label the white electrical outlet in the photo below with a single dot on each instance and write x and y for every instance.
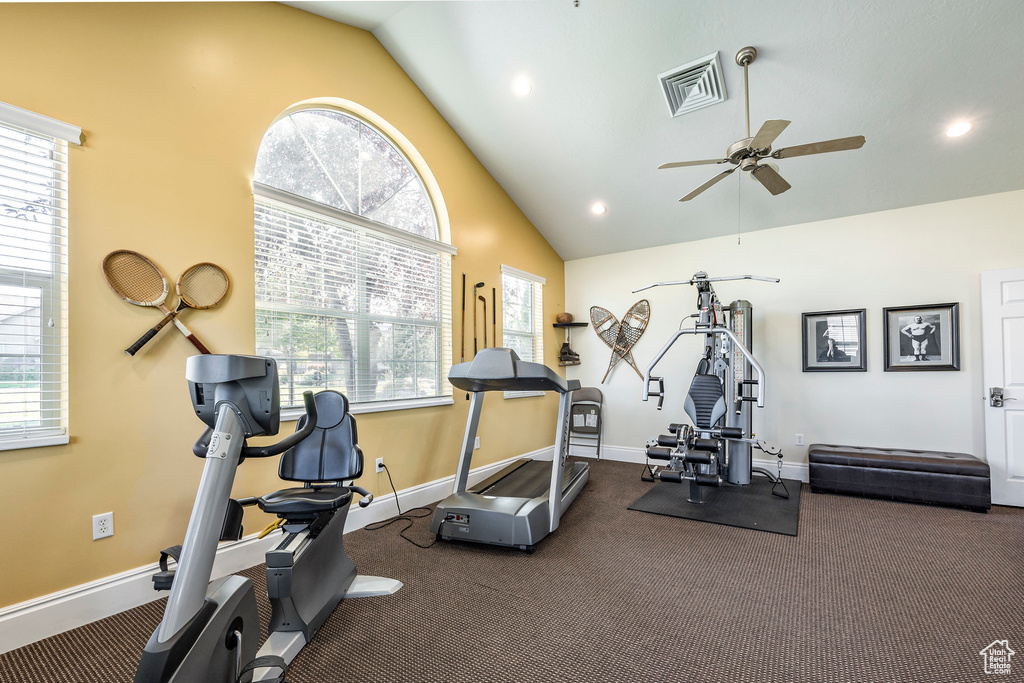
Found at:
(102, 525)
(380, 464)
(799, 439)
(476, 443)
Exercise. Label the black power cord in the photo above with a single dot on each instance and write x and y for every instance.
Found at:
(406, 516)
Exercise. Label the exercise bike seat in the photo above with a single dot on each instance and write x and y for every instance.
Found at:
(322, 461)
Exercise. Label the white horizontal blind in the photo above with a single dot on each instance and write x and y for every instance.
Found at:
(33, 286)
(522, 318)
(342, 306)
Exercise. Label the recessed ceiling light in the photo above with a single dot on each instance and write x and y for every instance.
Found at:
(522, 86)
(598, 208)
(959, 128)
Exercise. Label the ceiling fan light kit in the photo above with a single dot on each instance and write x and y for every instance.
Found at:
(749, 153)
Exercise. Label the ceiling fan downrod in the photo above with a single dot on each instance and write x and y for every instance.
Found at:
(744, 58)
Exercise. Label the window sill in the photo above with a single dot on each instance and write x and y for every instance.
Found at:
(523, 394)
(34, 442)
(292, 414)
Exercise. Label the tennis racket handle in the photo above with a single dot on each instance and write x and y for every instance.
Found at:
(191, 337)
(198, 344)
(144, 339)
(134, 348)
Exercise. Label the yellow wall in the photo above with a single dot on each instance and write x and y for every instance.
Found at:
(174, 100)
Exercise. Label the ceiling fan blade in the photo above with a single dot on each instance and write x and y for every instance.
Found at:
(702, 162)
(708, 184)
(772, 181)
(770, 130)
(840, 145)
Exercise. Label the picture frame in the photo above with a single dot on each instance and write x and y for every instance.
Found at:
(834, 341)
(922, 337)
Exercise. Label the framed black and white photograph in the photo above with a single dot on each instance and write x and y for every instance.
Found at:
(834, 341)
(922, 337)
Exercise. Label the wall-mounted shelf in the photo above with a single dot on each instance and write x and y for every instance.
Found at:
(566, 356)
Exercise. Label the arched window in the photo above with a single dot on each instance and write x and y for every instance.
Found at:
(353, 281)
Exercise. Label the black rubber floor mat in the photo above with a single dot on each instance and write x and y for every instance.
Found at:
(749, 507)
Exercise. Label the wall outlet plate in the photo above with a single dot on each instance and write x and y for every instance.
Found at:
(380, 464)
(476, 443)
(102, 525)
(799, 439)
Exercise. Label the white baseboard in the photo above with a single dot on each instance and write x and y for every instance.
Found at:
(790, 470)
(48, 615)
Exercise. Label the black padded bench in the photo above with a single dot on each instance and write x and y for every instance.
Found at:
(956, 479)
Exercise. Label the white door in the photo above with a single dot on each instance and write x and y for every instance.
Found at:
(1002, 320)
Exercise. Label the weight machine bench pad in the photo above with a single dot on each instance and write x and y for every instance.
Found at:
(934, 477)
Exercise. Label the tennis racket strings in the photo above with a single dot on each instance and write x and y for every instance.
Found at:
(135, 278)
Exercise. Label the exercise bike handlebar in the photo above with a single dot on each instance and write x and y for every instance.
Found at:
(203, 444)
(290, 441)
(712, 330)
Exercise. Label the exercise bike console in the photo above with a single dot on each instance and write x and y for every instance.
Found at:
(247, 383)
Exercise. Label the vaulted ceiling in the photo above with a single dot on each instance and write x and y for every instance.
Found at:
(596, 125)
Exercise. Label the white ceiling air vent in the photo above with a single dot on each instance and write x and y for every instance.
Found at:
(694, 86)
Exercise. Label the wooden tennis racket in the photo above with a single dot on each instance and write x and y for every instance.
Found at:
(201, 286)
(137, 280)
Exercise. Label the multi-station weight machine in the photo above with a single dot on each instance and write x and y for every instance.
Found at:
(716, 448)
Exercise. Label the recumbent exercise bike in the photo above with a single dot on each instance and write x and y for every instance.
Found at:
(209, 633)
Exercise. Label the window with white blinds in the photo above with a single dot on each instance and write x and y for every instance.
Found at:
(522, 318)
(33, 278)
(353, 286)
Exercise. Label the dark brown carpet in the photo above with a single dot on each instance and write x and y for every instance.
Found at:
(869, 591)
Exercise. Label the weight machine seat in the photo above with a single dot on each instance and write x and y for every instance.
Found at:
(329, 454)
(705, 401)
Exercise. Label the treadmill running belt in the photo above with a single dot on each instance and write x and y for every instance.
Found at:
(532, 480)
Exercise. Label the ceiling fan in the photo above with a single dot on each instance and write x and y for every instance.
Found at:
(748, 153)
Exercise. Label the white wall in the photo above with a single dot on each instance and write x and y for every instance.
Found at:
(919, 255)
